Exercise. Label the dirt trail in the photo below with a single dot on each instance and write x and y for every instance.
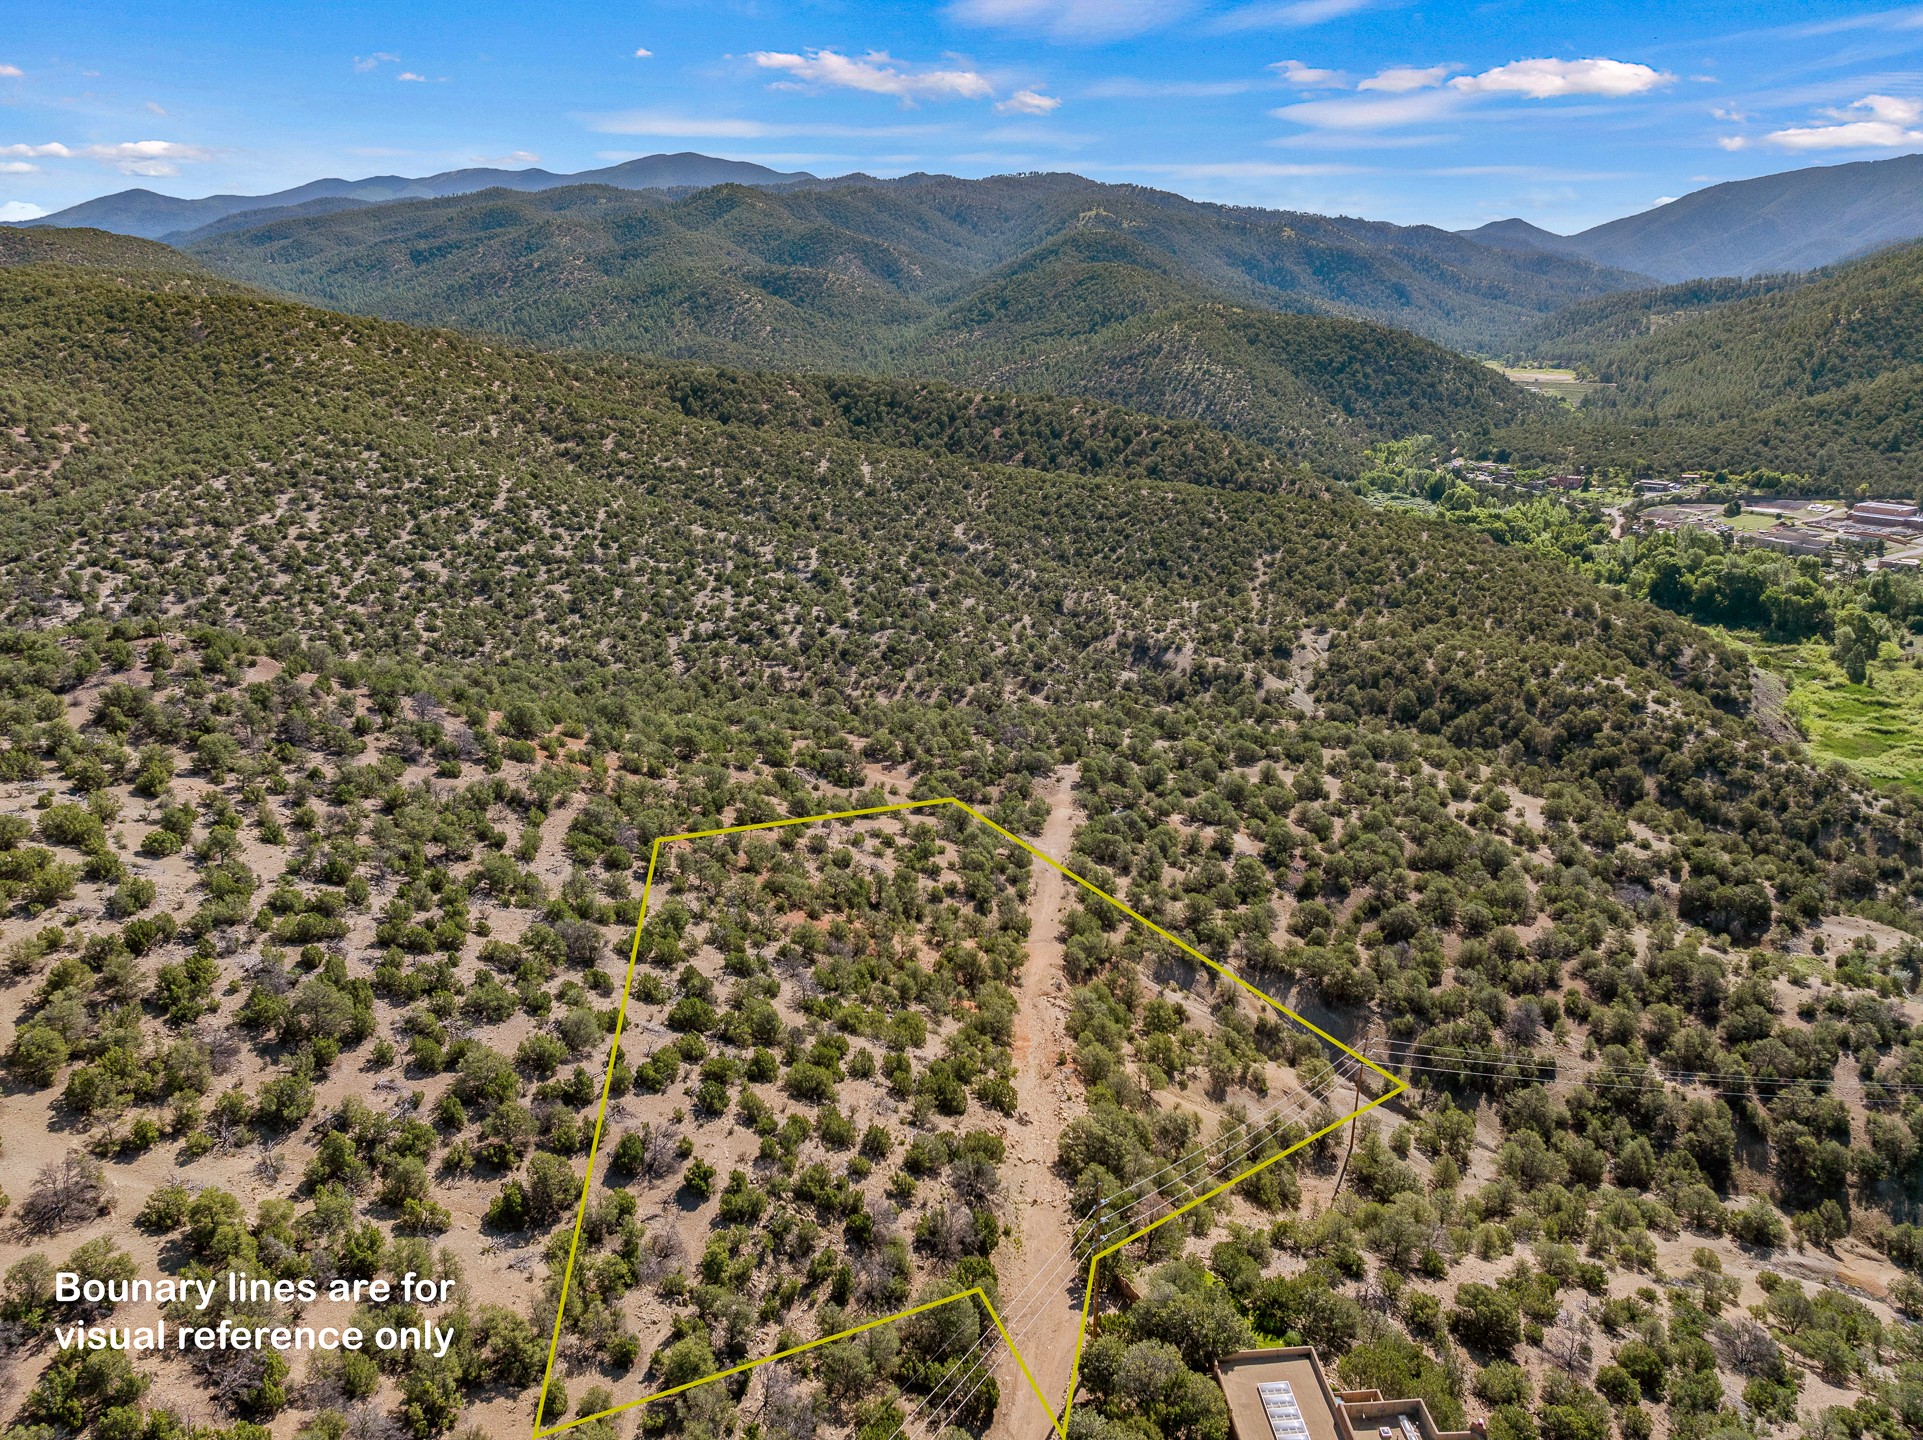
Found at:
(1046, 1315)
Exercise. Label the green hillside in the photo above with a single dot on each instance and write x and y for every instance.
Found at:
(1255, 322)
(98, 249)
(812, 265)
(1857, 324)
(592, 426)
(1590, 331)
(1093, 314)
(1821, 377)
(350, 671)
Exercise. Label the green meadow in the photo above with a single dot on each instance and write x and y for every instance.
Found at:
(1876, 729)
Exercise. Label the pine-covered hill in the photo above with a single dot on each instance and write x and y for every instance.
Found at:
(1040, 431)
(1851, 326)
(1091, 314)
(1259, 323)
(547, 529)
(135, 260)
(169, 421)
(351, 669)
(1822, 376)
(1589, 332)
(793, 270)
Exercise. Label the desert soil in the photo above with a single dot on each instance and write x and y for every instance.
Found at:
(1038, 1280)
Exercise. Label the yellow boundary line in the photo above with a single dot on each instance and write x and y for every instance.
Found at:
(1059, 1422)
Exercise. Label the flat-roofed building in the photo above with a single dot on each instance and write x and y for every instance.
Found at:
(1790, 539)
(1869, 516)
(1283, 1394)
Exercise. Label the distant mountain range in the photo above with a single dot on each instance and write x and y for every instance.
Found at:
(1288, 329)
(1272, 325)
(1797, 220)
(164, 217)
(741, 277)
(1793, 221)
(847, 274)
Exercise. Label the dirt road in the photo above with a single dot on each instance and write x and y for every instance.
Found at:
(1036, 1265)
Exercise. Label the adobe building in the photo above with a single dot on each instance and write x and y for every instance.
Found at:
(1283, 1394)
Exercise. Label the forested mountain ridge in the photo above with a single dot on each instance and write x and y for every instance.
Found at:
(1855, 324)
(129, 258)
(540, 416)
(1589, 332)
(1043, 283)
(353, 669)
(150, 216)
(919, 236)
(1791, 221)
(1816, 375)
(1041, 431)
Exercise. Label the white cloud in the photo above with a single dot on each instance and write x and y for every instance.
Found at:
(1127, 87)
(1357, 114)
(1876, 122)
(1356, 140)
(1028, 102)
(1401, 79)
(12, 72)
(1294, 15)
(1073, 19)
(20, 210)
(130, 157)
(1236, 170)
(513, 157)
(18, 167)
(668, 125)
(1543, 79)
(644, 53)
(1665, 199)
(365, 63)
(1414, 95)
(685, 127)
(1296, 73)
(411, 76)
(153, 108)
(876, 73)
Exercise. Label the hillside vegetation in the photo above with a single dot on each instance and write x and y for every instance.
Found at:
(1819, 378)
(804, 266)
(1033, 282)
(134, 260)
(1591, 331)
(351, 671)
(143, 213)
(1796, 220)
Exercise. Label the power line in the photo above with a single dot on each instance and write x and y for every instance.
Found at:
(1052, 1274)
(1506, 1065)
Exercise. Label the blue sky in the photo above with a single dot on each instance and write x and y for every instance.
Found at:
(1444, 113)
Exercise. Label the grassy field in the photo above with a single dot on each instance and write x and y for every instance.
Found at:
(1751, 520)
(1875, 729)
(1562, 384)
